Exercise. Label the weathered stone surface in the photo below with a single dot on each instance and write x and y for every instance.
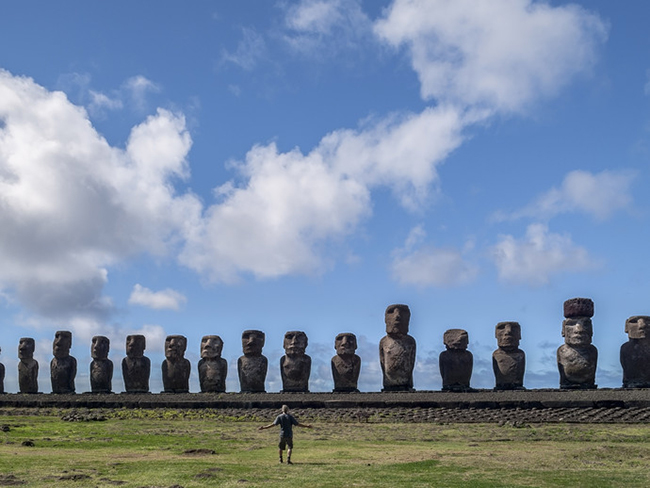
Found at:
(508, 361)
(176, 368)
(136, 368)
(213, 369)
(577, 357)
(456, 362)
(101, 368)
(295, 365)
(63, 367)
(252, 366)
(578, 307)
(397, 350)
(27, 366)
(635, 353)
(346, 365)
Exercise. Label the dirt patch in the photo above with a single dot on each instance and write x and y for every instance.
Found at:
(199, 452)
(74, 477)
(10, 480)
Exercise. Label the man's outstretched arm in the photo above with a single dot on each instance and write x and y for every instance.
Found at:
(265, 426)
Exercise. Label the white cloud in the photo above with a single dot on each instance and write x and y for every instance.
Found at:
(430, 266)
(272, 226)
(72, 205)
(138, 87)
(100, 101)
(599, 195)
(159, 300)
(250, 50)
(498, 55)
(538, 256)
(324, 27)
(291, 204)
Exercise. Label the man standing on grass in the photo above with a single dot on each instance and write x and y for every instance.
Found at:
(286, 421)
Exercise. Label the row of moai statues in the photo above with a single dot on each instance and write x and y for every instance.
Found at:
(576, 359)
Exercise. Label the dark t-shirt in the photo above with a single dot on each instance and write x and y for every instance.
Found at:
(286, 423)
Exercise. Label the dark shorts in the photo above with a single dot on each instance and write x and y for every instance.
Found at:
(286, 442)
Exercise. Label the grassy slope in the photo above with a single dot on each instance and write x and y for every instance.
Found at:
(147, 452)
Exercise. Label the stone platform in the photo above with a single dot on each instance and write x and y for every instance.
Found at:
(479, 399)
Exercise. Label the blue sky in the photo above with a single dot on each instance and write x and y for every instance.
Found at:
(204, 168)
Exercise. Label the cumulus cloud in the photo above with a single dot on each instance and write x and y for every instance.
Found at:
(325, 27)
(159, 300)
(599, 195)
(72, 205)
(291, 204)
(498, 55)
(538, 256)
(430, 266)
(250, 50)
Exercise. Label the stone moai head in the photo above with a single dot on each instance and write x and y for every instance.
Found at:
(252, 342)
(295, 343)
(577, 328)
(508, 335)
(397, 318)
(26, 348)
(135, 346)
(62, 344)
(99, 347)
(345, 344)
(211, 347)
(577, 331)
(175, 346)
(456, 339)
(636, 327)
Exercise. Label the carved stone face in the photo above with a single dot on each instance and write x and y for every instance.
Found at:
(456, 339)
(508, 335)
(211, 347)
(577, 331)
(637, 327)
(62, 344)
(252, 342)
(345, 344)
(175, 346)
(295, 343)
(135, 346)
(26, 348)
(99, 347)
(397, 318)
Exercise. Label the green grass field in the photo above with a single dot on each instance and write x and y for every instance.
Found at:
(137, 448)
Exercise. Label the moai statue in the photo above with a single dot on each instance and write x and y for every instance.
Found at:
(136, 368)
(101, 368)
(577, 357)
(176, 368)
(508, 361)
(346, 365)
(27, 366)
(456, 362)
(2, 377)
(212, 367)
(635, 353)
(397, 350)
(63, 367)
(252, 366)
(295, 365)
